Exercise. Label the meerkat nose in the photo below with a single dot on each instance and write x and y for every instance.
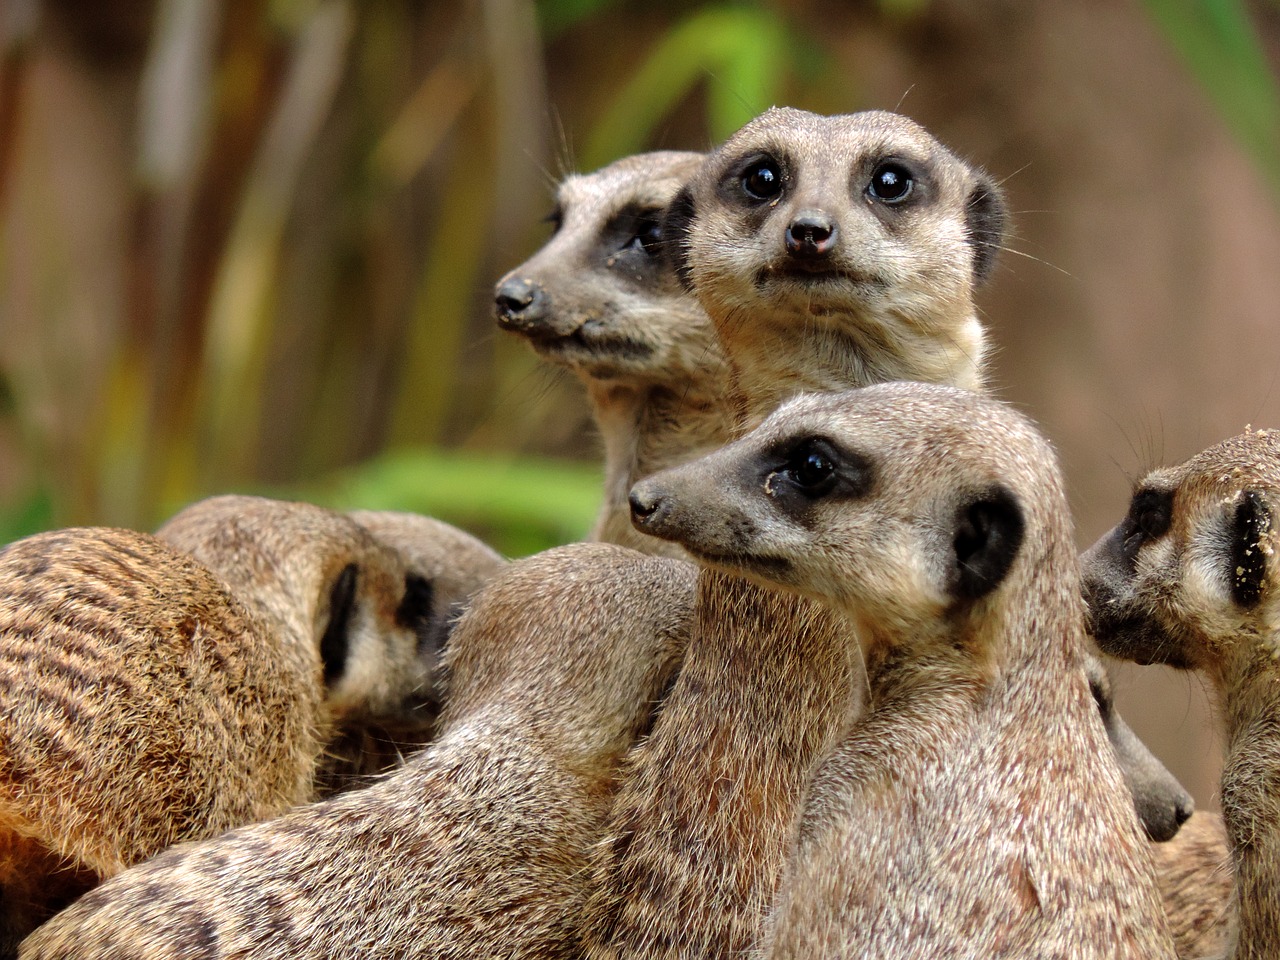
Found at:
(648, 506)
(811, 235)
(520, 303)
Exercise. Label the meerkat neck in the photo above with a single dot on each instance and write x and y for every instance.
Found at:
(1250, 694)
(645, 429)
(774, 362)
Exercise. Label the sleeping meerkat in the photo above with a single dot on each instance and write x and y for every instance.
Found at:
(444, 567)
(829, 252)
(141, 704)
(1188, 579)
(321, 580)
(600, 299)
(973, 810)
(478, 846)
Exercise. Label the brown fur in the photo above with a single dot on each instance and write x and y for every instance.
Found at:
(600, 299)
(452, 565)
(143, 705)
(478, 846)
(1189, 578)
(973, 810)
(767, 682)
(1197, 887)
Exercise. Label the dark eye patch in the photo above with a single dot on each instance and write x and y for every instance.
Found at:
(808, 469)
(1149, 518)
(555, 218)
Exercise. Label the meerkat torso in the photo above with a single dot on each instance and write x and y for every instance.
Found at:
(602, 300)
(1197, 887)
(1189, 578)
(974, 810)
(884, 293)
(478, 846)
(143, 704)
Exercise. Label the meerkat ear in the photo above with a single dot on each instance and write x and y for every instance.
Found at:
(335, 643)
(417, 606)
(988, 534)
(675, 235)
(1251, 523)
(986, 217)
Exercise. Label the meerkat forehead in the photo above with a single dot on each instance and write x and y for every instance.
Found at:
(647, 180)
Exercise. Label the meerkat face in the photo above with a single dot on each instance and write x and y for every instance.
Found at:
(862, 216)
(894, 503)
(598, 297)
(1190, 569)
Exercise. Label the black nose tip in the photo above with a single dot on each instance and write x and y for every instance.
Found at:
(811, 236)
(1184, 809)
(520, 303)
(646, 508)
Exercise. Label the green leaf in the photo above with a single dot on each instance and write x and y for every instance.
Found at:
(741, 49)
(1220, 46)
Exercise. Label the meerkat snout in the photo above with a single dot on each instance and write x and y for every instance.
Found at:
(647, 507)
(812, 235)
(521, 304)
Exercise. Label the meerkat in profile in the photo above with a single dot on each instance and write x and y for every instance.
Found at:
(829, 253)
(324, 582)
(143, 704)
(478, 846)
(974, 809)
(1189, 579)
(600, 299)
(444, 567)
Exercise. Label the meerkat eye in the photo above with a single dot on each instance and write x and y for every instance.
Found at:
(812, 468)
(891, 182)
(556, 219)
(648, 233)
(762, 180)
(1150, 515)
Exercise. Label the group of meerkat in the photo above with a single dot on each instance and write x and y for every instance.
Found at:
(822, 687)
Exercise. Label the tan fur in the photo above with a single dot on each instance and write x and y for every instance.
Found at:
(1164, 586)
(974, 810)
(454, 565)
(599, 299)
(143, 704)
(478, 846)
(1197, 887)
(767, 682)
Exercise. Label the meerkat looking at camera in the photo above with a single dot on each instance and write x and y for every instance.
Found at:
(1189, 579)
(973, 810)
(141, 704)
(600, 299)
(478, 846)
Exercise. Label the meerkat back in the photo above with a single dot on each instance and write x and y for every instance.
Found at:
(478, 846)
(140, 704)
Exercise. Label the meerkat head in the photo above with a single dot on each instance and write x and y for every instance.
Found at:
(1189, 574)
(598, 297)
(863, 221)
(903, 505)
(336, 595)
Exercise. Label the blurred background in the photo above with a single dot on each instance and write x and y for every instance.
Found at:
(250, 244)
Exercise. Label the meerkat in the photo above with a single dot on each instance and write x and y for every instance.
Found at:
(322, 580)
(478, 846)
(143, 704)
(444, 566)
(1197, 887)
(829, 253)
(1188, 579)
(600, 299)
(973, 810)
